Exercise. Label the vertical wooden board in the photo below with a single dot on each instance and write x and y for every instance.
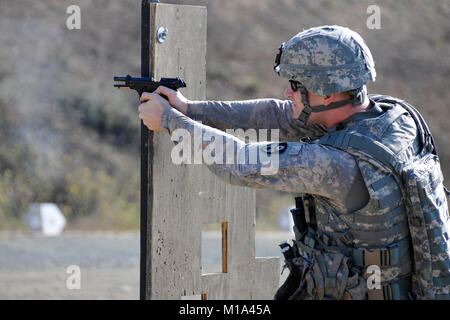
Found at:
(241, 230)
(186, 196)
(216, 286)
(265, 281)
(175, 228)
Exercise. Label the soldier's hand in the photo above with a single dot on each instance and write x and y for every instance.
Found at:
(176, 98)
(152, 109)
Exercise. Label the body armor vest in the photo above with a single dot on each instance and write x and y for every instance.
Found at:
(379, 232)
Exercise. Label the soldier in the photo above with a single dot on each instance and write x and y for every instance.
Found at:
(371, 219)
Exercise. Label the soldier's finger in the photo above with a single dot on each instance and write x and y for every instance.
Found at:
(141, 108)
(145, 96)
(164, 90)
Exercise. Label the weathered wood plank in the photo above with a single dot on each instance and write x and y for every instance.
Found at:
(187, 196)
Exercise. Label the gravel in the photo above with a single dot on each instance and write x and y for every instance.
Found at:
(33, 266)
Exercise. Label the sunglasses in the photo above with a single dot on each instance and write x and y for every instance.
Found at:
(295, 85)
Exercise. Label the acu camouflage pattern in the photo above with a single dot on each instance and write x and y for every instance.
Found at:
(253, 114)
(327, 276)
(328, 173)
(382, 221)
(412, 181)
(302, 167)
(327, 60)
(429, 227)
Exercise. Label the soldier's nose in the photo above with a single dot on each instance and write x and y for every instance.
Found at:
(288, 93)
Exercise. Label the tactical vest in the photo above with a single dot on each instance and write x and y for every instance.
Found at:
(397, 230)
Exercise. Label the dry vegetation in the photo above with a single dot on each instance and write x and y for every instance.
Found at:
(71, 138)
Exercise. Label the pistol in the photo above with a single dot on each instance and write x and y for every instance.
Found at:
(147, 84)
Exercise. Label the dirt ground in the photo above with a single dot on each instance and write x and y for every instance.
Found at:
(36, 267)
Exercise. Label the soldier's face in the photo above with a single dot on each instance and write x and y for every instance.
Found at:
(296, 99)
(297, 104)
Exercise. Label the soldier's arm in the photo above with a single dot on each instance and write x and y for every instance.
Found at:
(253, 114)
(249, 114)
(291, 167)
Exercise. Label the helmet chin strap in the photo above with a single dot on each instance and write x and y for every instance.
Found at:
(357, 97)
(306, 112)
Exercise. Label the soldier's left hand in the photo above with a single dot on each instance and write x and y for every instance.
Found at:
(152, 109)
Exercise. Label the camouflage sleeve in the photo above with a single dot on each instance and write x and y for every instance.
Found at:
(253, 114)
(289, 166)
(403, 138)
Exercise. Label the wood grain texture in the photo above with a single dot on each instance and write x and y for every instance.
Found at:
(186, 196)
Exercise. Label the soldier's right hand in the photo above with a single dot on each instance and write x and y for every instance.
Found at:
(176, 98)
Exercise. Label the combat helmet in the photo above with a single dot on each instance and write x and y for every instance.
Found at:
(326, 60)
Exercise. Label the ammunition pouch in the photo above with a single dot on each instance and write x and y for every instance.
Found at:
(322, 275)
(319, 271)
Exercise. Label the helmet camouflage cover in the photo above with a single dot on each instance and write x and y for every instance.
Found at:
(327, 60)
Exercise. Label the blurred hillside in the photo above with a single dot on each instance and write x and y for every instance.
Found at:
(69, 137)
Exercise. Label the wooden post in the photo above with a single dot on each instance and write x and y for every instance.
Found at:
(146, 148)
(183, 197)
(224, 247)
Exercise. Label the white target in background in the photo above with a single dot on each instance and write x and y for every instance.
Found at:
(44, 217)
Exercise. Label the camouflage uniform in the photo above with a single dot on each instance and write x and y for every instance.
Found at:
(303, 168)
(332, 176)
(356, 211)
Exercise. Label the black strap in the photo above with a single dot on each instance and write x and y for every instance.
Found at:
(298, 216)
(394, 290)
(357, 97)
(333, 105)
(447, 191)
